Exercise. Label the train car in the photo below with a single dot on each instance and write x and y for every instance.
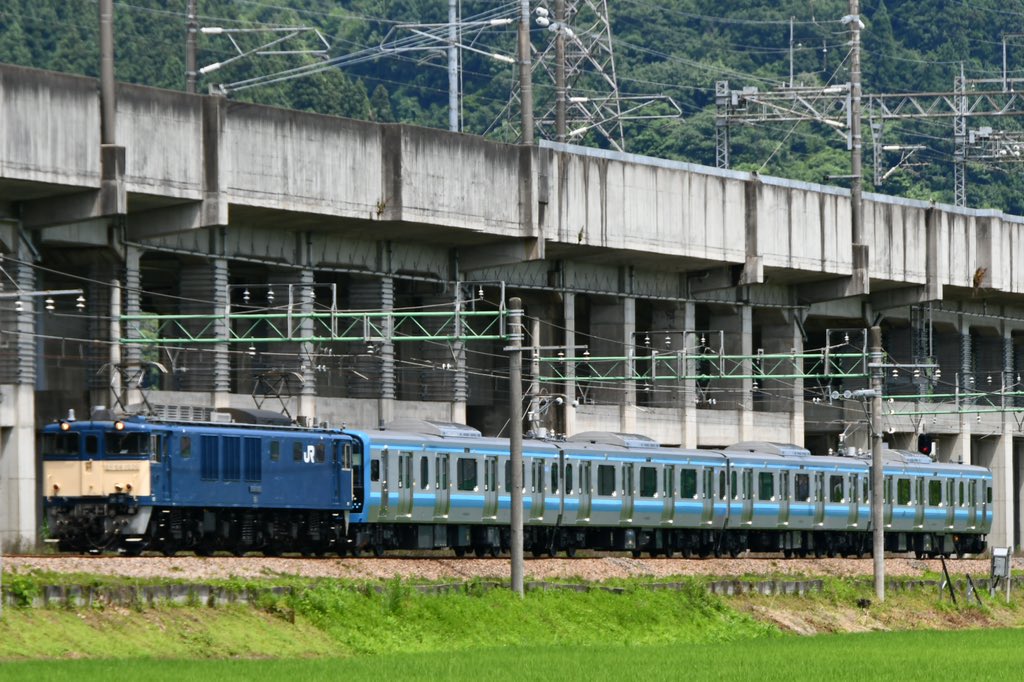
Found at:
(246, 480)
(255, 484)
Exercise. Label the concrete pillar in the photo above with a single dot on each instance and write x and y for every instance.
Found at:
(739, 327)
(101, 377)
(612, 327)
(203, 290)
(961, 450)
(19, 494)
(689, 387)
(569, 341)
(787, 395)
(292, 292)
(374, 373)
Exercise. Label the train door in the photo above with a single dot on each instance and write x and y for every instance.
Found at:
(628, 492)
(385, 482)
(785, 496)
(405, 484)
(586, 492)
(442, 492)
(851, 497)
(983, 492)
(536, 488)
(668, 490)
(708, 495)
(745, 493)
(819, 498)
(341, 463)
(919, 501)
(490, 487)
(160, 466)
(950, 501)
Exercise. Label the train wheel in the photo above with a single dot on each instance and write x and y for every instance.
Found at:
(494, 551)
(342, 551)
(637, 553)
(787, 553)
(356, 551)
(480, 551)
(687, 552)
(670, 552)
(537, 552)
(459, 551)
(734, 551)
(378, 550)
(570, 552)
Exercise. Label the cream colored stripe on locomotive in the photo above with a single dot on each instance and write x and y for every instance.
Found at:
(96, 478)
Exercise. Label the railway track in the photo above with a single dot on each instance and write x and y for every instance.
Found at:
(440, 567)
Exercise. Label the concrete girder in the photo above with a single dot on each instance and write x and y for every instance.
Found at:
(503, 253)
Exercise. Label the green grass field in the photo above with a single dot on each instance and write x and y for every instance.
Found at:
(907, 656)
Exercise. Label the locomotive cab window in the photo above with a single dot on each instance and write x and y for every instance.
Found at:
(186, 447)
(61, 443)
(92, 444)
(765, 486)
(275, 450)
(648, 482)
(605, 479)
(297, 451)
(121, 443)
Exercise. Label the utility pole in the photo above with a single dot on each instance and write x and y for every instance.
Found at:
(107, 111)
(856, 142)
(453, 66)
(877, 529)
(525, 73)
(560, 93)
(190, 47)
(791, 51)
(515, 402)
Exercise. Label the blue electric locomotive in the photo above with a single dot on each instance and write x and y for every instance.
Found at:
(259, 484)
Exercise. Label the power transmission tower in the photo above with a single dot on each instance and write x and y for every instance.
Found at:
(578, 69)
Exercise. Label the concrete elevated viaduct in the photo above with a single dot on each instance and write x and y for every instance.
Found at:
(202, 203)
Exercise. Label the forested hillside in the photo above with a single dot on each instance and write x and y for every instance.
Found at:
(673, 47)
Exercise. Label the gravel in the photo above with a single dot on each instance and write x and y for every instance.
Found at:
(433, 568)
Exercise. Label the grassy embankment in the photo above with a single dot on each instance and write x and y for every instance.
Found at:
(326, 630)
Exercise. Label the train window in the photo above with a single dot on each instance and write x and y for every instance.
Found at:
(297, 451)
(424, 473)
(735, 487)
(628, 487)
(320, 453)
(669, 481)
(722, 491)
(765, 486)
(961, 493)
(275, 450)
(648, 482)
(156, 448)
(605, 479)
(121, 443)
(835, 486)
(374, 470)
(441, 473)
(466, 473)
(92, 444)
(568, 479)
(887, 491)
(688, 483)
(554, 477)
(903, 491)
(950, 500)
(186, 447)
(865, 483)
(935, 493)
(988, 492)
(538, 476)
(802, 488)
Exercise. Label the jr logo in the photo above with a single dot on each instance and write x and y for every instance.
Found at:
(310, 455)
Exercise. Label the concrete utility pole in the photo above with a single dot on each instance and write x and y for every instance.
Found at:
(515, 401)
(877, 497)
(856, 161)
(525, 75)
(560, 71)
(190, 47)
(107, 129)
(453, 66)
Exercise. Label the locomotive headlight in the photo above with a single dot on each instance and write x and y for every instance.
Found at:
(64, 426)
(119, 425)
(128, 487)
